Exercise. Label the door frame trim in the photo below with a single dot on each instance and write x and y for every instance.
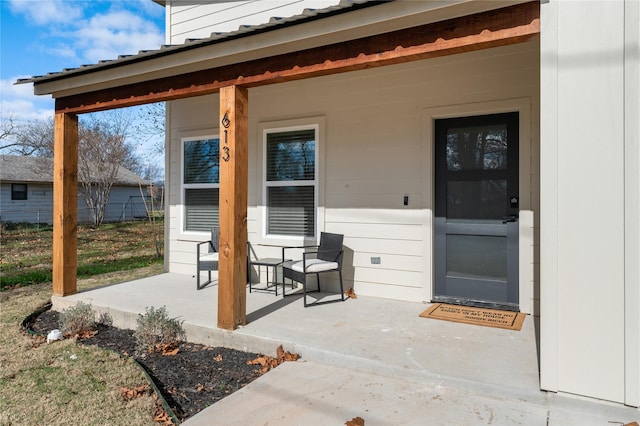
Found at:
(526, 223)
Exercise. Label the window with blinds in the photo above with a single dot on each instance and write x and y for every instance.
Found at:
(18, 191)
(201, 183)
(201, 209)
(291, 182)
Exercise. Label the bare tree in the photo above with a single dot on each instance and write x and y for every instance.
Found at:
(8, 128)
(155, 198)
(35, 138)
(151, 124)
(103, 150)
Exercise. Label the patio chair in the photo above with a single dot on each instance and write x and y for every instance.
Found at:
(326, 258)
(207, 259)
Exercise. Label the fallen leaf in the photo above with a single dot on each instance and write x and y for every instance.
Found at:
(285, 356)
(356, 421)
(280, 353)
(129, 394)
(266, 362)
(168, 350)
(161, 416)
(351, 293)
(269, 362)
(88, 334)
(218, 358)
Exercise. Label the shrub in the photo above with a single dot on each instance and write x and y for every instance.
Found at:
(157, 332)
(77, 320)
(105, 319)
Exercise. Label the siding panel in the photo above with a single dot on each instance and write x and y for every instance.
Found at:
(375, 153)
(125, 203)
(200, 20)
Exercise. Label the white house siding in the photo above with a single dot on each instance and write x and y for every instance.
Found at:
(125, 203)
(38, 207)
(376, 151)
(590, 194)
(188, 19)
(632, 202)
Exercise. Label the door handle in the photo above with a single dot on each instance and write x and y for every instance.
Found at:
(512, 218)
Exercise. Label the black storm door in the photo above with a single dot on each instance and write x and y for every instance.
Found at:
(476, 224)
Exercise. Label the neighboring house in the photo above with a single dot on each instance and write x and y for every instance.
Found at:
(26, 193)
(474, 152)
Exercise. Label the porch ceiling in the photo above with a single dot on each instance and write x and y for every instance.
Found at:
(348, 42)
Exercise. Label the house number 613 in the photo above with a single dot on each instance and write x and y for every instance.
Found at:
(226, 122)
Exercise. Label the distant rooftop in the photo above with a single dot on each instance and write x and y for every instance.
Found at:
(26, 169)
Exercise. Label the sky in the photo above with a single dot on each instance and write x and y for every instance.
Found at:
(43, 36)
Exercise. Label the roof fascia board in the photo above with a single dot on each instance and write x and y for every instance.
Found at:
(343, 27)
(494, 28)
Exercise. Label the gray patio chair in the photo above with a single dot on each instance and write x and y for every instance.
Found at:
(326, 258)
(207, 259)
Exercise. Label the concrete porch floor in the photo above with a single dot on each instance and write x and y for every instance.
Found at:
(368, 357)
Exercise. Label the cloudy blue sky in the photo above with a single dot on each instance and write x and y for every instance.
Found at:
(42, 36)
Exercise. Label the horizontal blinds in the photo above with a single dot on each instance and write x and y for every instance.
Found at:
(291, 211)
(201, 208)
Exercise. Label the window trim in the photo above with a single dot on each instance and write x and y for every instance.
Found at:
(200, 136)
(14, 192)
(311, 123)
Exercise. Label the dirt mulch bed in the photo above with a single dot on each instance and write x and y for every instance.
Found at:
(191, 380)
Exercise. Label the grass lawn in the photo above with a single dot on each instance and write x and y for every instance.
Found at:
(26, 251)
(62, 383)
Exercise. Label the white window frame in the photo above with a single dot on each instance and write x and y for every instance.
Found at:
(311, 123)
(184, 186)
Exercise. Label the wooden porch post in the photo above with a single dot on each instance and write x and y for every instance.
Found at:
(65, 204)
(232, 274)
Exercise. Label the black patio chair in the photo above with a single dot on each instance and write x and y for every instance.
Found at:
(326, 258)
(207, 260)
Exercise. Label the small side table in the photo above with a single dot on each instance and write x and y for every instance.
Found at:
(268, 262)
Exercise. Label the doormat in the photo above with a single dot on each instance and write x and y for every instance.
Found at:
(476, 316)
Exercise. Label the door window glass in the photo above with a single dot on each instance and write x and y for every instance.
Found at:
(477, 199)
(477, 256)
(477, 148)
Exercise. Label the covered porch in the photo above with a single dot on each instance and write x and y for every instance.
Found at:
(371, 356)
(394, 69)
(176, 74)
(378, 335)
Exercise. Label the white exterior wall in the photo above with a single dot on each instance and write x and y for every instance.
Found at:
(187, 19)
(38, 207)
(121, 204)
(590, 193)
(632, 201)
(377, 149)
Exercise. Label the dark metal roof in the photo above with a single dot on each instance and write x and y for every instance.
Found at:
(243, 31)
(25, 169)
